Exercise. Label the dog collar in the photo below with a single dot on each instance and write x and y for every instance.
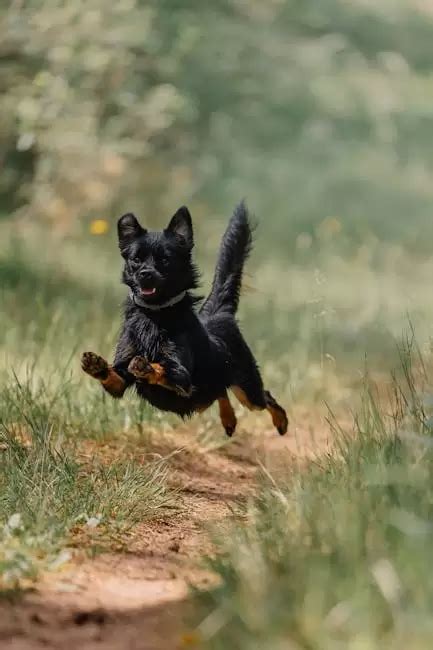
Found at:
(169, 303)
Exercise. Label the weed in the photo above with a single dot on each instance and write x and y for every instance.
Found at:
(337, 554)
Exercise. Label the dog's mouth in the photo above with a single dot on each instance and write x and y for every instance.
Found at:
(148, 291)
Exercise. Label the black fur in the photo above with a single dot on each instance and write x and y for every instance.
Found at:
(235, 248)
(202, 351)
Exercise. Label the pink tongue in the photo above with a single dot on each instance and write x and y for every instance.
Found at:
(148, 292)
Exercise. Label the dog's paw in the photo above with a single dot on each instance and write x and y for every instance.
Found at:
(230, 429)
(140, 367)
(283, 424)
(94, 365)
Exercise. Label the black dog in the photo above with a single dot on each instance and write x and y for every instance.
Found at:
(180, 358)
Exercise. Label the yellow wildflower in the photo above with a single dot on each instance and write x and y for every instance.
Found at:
(190, 639)
(99, 227)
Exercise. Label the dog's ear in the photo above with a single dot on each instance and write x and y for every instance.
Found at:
(181, 224)
(128, 229)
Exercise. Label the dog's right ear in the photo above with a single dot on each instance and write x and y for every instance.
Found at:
(128, 229)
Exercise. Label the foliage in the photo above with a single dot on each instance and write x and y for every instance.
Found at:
(311, 110)
(51, 493)
(335, 555)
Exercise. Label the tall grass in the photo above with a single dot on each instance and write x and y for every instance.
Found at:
(50, 492)
(50, 489)
(337, 554)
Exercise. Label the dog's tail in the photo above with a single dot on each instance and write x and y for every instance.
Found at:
(235, 247)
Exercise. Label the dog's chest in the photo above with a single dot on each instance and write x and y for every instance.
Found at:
(150, 339)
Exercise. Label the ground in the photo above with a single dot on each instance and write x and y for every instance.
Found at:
(138, 597)
(325, 130)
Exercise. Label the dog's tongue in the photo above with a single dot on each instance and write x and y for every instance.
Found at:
(148, 292)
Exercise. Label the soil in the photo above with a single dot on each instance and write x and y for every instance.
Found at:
(138, 598)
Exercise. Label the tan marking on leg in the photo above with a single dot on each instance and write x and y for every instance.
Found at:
(154, 374)
(278, 414)
(157, 375)
(98, 368)
(227, 415)
(241, 396)
(113, 384)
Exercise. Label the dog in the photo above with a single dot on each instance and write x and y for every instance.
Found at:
(182, 357)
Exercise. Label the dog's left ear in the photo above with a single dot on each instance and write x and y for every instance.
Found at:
(181, 224)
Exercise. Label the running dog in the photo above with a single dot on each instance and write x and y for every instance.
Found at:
(182, 357)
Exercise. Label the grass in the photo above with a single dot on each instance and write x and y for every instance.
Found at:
(50, 315)
(51, 488)
(327, 119)
(308, 327)
(318, 113)
(336, 555)
(324, 129)
(337, 171)
(52, 494)
(311, 346)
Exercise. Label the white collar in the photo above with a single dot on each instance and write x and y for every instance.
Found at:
(154, 307)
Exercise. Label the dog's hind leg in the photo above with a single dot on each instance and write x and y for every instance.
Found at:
(227, 415)
(278, 414)
(256, 399)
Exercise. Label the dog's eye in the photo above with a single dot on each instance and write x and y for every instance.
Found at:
(135, 262)
(164, 260)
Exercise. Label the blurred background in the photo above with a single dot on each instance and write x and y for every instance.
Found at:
(319, 113)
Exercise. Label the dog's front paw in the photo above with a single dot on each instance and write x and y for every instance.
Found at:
(140, 367)
(94, 365)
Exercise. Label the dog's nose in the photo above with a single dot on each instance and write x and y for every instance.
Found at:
(145, 275)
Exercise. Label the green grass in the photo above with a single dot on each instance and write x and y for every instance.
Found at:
(330, 117)
(51, 493)
(320, 113)
(337, 554)
(308, 326)
(51, 311)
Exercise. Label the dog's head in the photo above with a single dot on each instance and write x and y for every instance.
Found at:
(158, 265)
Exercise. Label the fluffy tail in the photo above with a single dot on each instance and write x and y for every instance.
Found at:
(235, 247)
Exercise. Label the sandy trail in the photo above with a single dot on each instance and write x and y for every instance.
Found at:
(138, 599)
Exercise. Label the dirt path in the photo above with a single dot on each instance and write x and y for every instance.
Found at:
(138, 599)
